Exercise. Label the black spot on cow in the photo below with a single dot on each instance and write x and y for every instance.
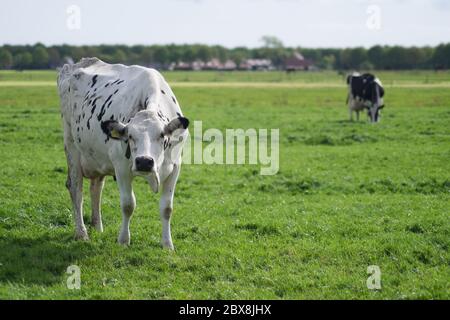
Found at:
(120, 82)
(83, 115)
(166, 143)
(115, 81)
(94, 80)
(163, 92)
(103, 110)
(78, 129)
(106, 85)
(174, 100)
(94, 103)
(79, 140)
(116, 91)
(128, 152)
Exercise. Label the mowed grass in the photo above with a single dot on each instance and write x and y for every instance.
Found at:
(389, 78)
(347, 196)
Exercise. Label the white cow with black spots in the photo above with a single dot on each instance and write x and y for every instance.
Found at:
(121, 121)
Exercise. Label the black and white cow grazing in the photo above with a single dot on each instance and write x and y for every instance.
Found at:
(365, 92)
(124, 122)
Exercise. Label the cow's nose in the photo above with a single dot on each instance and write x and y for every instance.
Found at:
(144, 164)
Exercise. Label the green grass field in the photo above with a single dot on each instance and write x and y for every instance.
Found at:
(348, 195)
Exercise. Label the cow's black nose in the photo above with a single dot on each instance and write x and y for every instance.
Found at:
(144, 164)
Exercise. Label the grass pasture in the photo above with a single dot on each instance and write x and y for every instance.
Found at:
(347, 196)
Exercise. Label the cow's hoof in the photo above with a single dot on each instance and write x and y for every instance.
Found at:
(123, 240)
(98, 226)
(82, 236)
(168, 246)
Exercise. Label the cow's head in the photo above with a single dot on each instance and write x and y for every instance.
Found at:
(145, 135)
(374, 112)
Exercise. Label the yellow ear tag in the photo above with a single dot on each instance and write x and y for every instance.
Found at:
(115, 134)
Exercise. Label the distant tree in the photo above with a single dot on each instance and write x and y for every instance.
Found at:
(161, 55)
(119, 56)
(76, 53)
(146, 56)
(54, 58)
(204, 53)
(6, 59)
(376, 56)
(40, 58)
(366, 66)
(238, 55)
(345, 59)
(396, 58)
(23, 60)
(441, 56)
(189, 54)
(358, 57)
(328, 62)
(271, 42)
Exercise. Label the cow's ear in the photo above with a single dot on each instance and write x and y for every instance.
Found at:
(114, 129)
(180, 123)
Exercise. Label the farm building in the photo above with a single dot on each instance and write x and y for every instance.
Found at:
(297, 62)
(256, 64)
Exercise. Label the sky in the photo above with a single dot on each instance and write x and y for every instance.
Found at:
(231, 23)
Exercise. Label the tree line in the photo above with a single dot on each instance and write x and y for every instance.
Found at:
(38, 56)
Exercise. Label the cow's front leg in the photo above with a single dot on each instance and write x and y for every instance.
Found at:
(127, 204)
(96, 195)
(166, 206)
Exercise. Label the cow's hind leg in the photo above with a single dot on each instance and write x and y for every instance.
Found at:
(166, 206)
(75, 186)
(96, 195)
